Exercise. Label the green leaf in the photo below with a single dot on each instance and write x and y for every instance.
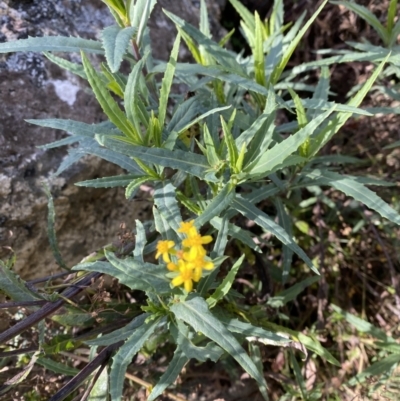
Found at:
(108, 182)
(135, 184)
(177, 159)
(273, 157)
(140, 241)
(293, 45)
(245, 14)
(115, 42)
(230, 142)
(291, 293)
(253, 213)
(358, 191)
(167, 205)
(124, 356)
(237, 233)
(74, 127)
(167, 81)
(139, 15)
(74, 68)
(368, 16)
(107, 103)
(51, 230)
(258, 52)
(319, 140)
(132, 273)
(175, 367)
(315, 346)
(286, 222)
(222, 56)
(131, 98)
(57, 367)
(362, 325)
(195, 312)
(226, 284)
(248, 330)
(183, 338)
(14, 287)
(52, 43)
(100, 390)
(120, 334)
(217, 205)
(378, 368)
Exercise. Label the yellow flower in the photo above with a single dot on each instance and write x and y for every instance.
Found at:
(188, 228)
(164, 249)
(186, 276)
(195, 245)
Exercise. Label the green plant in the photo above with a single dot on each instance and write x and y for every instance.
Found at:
(211, 159)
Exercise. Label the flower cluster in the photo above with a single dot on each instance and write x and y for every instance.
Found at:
(189, 261)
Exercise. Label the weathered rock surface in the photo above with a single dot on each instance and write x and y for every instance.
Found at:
(31, 87)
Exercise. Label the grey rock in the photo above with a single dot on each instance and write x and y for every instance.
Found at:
(31, 87)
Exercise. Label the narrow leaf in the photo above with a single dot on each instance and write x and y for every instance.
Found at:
(195, 312)
(226, 284)
(115, 42)
(253, 213)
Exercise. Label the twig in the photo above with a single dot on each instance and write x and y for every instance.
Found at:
(47, 309)
(77, 380)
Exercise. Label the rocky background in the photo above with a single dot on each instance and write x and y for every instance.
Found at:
(31, 87)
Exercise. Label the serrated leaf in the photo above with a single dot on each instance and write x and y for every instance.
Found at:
(139, 15)
(319, 140)
(167, 205)
(292, 46)
(52, 43)
(131, 95)
(167, 81)
(222, 56)
(14, 287)
(195, 312)
(182, 336)
(108, 182)
(258, 52)
(115, 42)
(245, 14)
(74, 127)
(291, 293)
(120, 334)
(107, 103)
(358, 191)
(132, 273)
(57, 367)
(217, 205)
(74, 68)
(266, 163)
(92, 148)
(263, 220)
(226, 284)
(191, 163)
(175, 367)
(140, 241)
(135, 184)
(124, 356)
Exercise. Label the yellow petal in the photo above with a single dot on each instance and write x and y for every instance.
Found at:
(177, 281)
(206, 239)
(188, 285)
